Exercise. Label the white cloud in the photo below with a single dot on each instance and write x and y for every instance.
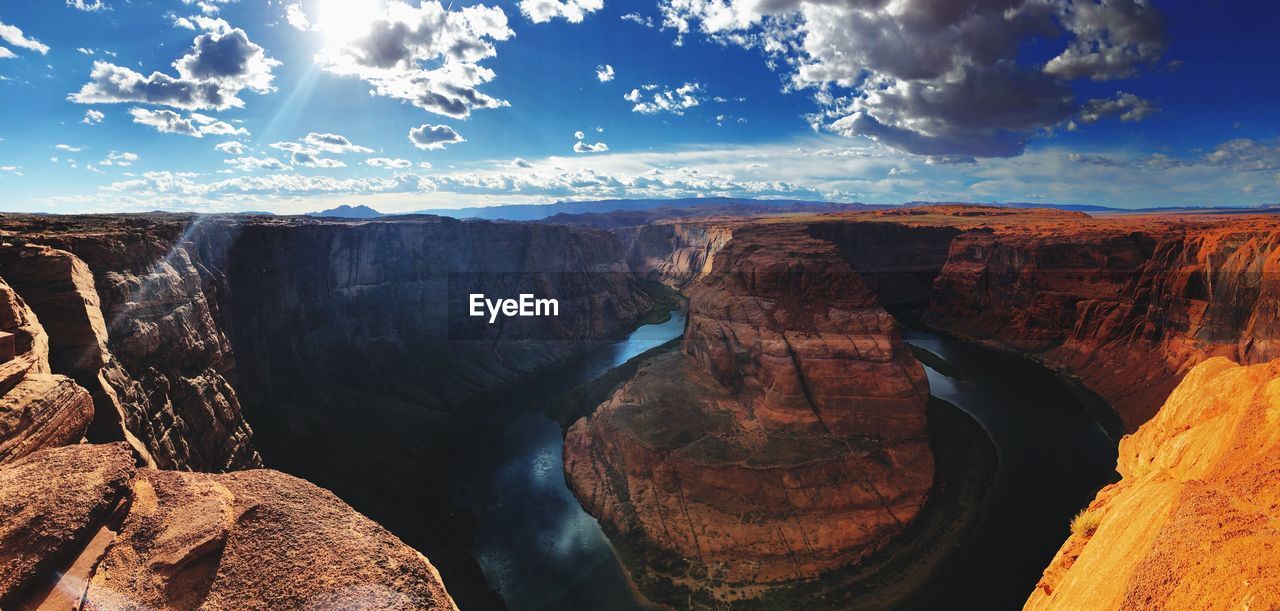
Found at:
(426, 165)
(122, 159)
(315, 143)
(230, 147)
(13, 36)
(221, 63)
(661, 99)
(207, 7)
(252, 164)
(583, 147)
(432, 137)
(638, 19)
(86, 5)
(604, 73)
(394, 52)
(196, 125)
(934, 78)
(310, 160)
(1126, 106)
(384, 162)
(5, 53)
(578, 135)
(11, 169)
(67, 148)
(520, 163)
(297, 17)
(573, 11)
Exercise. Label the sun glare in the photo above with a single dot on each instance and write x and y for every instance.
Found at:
(345, 20)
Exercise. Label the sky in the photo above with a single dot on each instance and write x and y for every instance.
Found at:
(289, 106)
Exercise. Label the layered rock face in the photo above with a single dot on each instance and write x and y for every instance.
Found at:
(789, 436)
(129, 320)
(675, 253)
(1126, 305)
(81, 528)
(1193, 521)
(348, 343)
(38, 409)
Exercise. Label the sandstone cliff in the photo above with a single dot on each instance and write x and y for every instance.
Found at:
(81, 528)
(38, 409)
(1126, 305)
(1193, 522)
(789, 437)
(346, 343)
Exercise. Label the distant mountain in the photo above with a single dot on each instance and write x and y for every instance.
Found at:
(538, 212)
(348, 212)
(1071, 207)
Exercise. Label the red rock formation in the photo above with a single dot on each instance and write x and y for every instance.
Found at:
(1127, 305)
(790, 439)
(81, 528)
(37, 409)
(1193, 521)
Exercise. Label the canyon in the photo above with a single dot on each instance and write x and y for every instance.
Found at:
(161, 361)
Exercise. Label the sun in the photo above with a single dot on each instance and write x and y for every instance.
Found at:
(345, 20)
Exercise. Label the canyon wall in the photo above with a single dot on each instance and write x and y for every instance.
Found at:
(347, 344)
(786, 438)
(1128, 306)
(1193, 521)
(38, 409)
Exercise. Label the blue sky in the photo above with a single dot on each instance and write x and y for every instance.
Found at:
(291, 106)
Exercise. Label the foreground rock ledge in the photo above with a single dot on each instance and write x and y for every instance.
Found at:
(1195, 521)
(81, 528)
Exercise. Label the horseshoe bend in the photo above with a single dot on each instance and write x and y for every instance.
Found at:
(843, 409)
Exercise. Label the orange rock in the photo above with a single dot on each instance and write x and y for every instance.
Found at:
(1194, 523)
(788, 440)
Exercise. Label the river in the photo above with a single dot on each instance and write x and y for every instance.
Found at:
(540, 550)
(534, 542)
(1053, 458)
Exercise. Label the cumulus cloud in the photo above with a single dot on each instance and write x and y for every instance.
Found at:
(1111, 39)
(230, 147)
(315, 142)
(426, 55)
(573, 11)
(196, 125)
(431, 137)
(11, 169)
(655, 99)
(13, 36)
(1245, 155)
(296, 17)
(122, 159)
(86, 5)
(208, 7)
(310, 160)
(384, 162)
(1125, 106)
(67, 148)
(604, 73)
(583, 147)
(92, 117)
(221, 63)
(929, 77)
(520, 163)
(253, 164)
